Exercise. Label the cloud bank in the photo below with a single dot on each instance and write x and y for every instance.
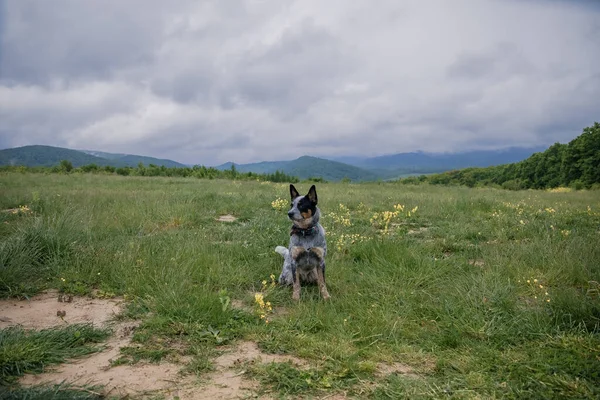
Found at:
(249, 80)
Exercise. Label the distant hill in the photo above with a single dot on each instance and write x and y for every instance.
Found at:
(265, 167)
(386, 167)
(420, 162)
(132, 160)
(307, 167)
(47, 156)
(103, 154)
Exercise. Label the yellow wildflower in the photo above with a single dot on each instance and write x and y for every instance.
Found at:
(279, 204)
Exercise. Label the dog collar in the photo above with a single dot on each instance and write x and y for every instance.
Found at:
(304, 232)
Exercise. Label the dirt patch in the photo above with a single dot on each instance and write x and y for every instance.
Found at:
(239, 305)
(385, 369)
(280, 311)
(141, 379)
(149, 380)
(417, 231)
(226, 218)
(249, 352)
(121, 380)
(171, 224)
(46, 311)
(228, 380)
(477, 263)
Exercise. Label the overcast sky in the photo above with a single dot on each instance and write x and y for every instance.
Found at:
(212, 81)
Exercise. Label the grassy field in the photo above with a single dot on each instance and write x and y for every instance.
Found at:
(480, 293)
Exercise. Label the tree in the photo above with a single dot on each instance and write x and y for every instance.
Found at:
(141, 170)
(89, 168)
(66, 166)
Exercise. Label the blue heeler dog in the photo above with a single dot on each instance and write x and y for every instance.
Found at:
(305, 257)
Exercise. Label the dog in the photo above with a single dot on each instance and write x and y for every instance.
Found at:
(304, 259)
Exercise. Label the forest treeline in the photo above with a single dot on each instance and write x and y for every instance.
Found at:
(575, 164)
(197, 171)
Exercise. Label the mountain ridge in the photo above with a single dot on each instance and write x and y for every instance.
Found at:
(447, 161)
(305, 167)
(48, 156)
(384, 167)
(392, 166)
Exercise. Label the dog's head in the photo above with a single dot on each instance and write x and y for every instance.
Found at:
(304, 212)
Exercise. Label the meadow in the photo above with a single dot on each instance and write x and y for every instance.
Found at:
(478, 293)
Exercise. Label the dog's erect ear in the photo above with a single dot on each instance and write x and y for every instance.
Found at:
(312, 194)
(293, 192)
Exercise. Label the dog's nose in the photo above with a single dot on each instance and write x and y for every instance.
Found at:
(291, 214)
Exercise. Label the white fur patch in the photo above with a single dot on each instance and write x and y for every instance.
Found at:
(281, 250)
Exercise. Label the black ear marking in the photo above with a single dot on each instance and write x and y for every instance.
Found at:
(312, 194)
(293, 192)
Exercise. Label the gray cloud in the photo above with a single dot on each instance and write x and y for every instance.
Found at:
(502, 61)
(250, 80)
(76, 40)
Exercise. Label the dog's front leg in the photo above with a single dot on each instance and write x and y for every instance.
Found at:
(321, 281)
(296, 292)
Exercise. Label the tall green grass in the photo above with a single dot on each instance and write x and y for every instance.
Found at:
(54, 392)
(23, 351)
(453, 290)
(33, 253)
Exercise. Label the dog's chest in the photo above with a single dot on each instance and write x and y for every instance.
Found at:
(309, 241)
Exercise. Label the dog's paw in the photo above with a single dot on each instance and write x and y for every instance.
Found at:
(318, 251)
(297, 251)
(296, 296)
